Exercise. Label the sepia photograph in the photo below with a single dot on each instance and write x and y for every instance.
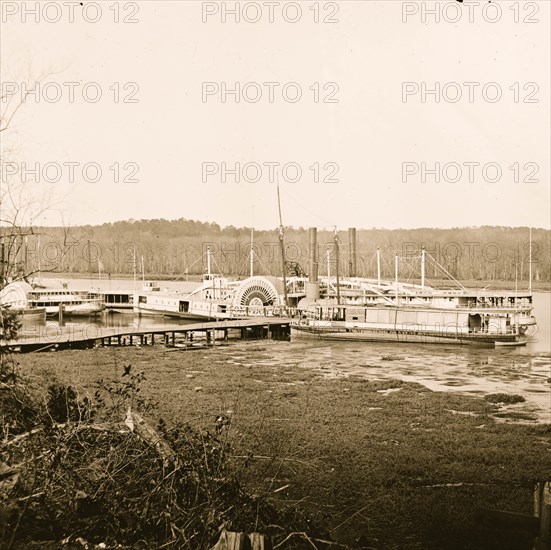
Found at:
(275, 275)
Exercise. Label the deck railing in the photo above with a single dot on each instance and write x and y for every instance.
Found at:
(263, 311)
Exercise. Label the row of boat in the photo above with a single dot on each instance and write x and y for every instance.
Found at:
(351, 308)
(356, 309)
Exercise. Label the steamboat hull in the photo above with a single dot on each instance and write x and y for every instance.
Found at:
(187, 315)
(67, 302)
(84, 312)
(80, 310)
(412, 337)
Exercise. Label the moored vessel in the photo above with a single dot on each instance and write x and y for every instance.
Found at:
(15, 297)
(68, 302)
(359, 309)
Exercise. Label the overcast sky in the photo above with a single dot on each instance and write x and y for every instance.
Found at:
(355, 122)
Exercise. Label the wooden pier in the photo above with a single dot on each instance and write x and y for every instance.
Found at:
(184, 336)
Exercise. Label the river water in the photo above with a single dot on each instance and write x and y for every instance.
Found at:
(523, 370)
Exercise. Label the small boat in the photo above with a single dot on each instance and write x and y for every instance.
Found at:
(15, 296)
(70, 302)
(514, 344)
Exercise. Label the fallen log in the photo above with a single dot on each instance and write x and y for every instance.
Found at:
(136, 424)
(230, 540)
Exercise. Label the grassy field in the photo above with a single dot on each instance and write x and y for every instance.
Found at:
(393, 462)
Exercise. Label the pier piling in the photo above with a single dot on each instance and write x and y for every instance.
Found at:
(245, 329)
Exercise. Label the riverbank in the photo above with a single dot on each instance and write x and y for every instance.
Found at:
(401, 465)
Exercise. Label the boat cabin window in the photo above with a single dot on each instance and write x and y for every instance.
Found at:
(335, 313)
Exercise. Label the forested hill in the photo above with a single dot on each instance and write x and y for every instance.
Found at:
(177, 247)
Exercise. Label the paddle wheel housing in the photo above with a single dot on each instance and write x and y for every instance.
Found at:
(257, 291)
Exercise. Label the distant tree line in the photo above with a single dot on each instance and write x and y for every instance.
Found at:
(178, 248)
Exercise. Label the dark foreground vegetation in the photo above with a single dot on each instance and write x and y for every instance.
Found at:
(230, 438)
(78, 471)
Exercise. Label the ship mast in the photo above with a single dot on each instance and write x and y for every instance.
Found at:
(251, 259)
(281, 245)
(26, 256)
(251, 256)
(378, 266)
(396, 276)
(208, 261)
(337, 267)
(530, 263)
(134, 265)
(423, 268)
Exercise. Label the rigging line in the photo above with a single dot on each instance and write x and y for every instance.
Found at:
(200, 258)
(390, 267)
(255, 255)
(411, 266)
(438, 266)
(189, 267)
(263, 265)
(219, 271)
(244, 264)
(405, 272)
(367, 261)
(317, 215)
(445, 271)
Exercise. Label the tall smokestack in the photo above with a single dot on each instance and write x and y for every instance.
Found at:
(313, 263)
(312, 286)
(352, 252)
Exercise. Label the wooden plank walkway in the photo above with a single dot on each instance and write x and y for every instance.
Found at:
(87, 336)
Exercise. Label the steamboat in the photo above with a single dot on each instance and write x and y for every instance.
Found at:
(216, 298)
(357, 309)
(67, 302)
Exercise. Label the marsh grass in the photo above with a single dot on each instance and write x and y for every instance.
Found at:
(401, 469)
(504, 398)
